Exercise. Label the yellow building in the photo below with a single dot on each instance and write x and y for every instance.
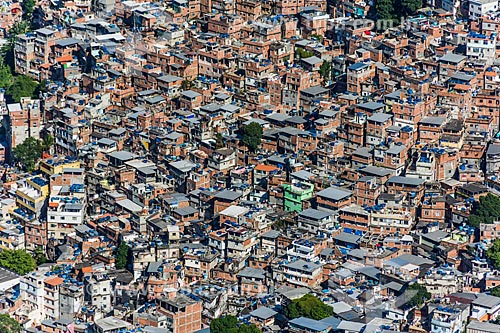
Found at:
(31, 194)
(55, 165)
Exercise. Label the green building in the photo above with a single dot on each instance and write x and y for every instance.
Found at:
(294, 195)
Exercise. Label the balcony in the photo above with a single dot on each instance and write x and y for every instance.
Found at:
(439, 323)
(477, 313)
(82, 3)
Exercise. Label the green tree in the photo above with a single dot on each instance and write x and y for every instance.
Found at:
(28, 7)
(41, 88)
(18, 261)
(39, 256)
(252, 134)
(223, 324)
(121, 255)
(229, 324)
(7, 50)
(281, 225)
(395, 9)
(7, 57)
(9, 324)
(384, 9)
(187, 84)
(417, 295)
(47, 142)
(19, 28)
(408, 7)
(248, 329)
(325, 70)
(493, 253)
(495, 291)
(486, 210)
(22, 86)
(303, 53)
(318, 37)
(308, 306)
(219, 141)
(28, 153)
(6, 76)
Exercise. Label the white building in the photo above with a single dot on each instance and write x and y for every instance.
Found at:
(449, 319)
(452, 6)
(314, 221)
(302, 249)
(70, 300)
(485, 307)
(32, 294)
(111, 325)
(442, 281)
(65, 210)
(40, 295)
(478, 8)
(481, 46)
(98, 294)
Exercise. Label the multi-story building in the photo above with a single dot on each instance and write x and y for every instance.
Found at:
(366, 191)
(354, 219)
(55, 165)
(71, 132)
(44, 41)
(199, 264)
(24, 121)
(51, 288)
(71, 300)
(46, 296)
(387, 221)
(333, 198)
(98, 293)
(252, 281)
(493, 159)
(31, 199)
(449, 319)
(479, 8)
(450, 63)
(240, 242)
(313, 21)
(485, 308)
(359, 76)
(302, 273)
(295, 195)
(33, 294)
(489, 231)
(315, 221)
(443, 281)
(66, 208)
(376, 126)
(24, 53)
(183, 314)
(481, 46)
